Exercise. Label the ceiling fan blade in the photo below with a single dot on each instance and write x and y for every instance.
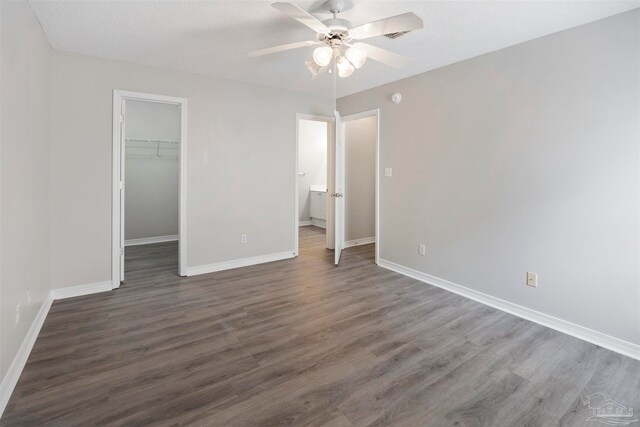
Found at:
(302, 16)
(280, 48)
(384, 56)
(395, 24)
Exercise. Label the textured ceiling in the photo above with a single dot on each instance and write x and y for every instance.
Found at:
(213, 37)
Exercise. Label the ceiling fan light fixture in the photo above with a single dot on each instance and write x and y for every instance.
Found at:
(322, 55)
(345, 68)
(356, 56)
(312, 66)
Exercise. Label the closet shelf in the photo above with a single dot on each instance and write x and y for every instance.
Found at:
(152, 141)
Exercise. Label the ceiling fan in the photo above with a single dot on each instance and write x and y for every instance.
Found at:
(339, 41)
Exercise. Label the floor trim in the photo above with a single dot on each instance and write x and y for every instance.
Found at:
(149, 240)
(76, 291)
(598, 338)
(237, 263)
(13, 373)
(358, 242)
(305, 223)
(322, 223)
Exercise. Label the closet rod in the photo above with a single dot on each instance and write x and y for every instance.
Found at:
(152, 141)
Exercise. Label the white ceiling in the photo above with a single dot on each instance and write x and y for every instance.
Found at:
(213, 37)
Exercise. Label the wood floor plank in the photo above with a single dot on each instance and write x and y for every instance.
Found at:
(302, 342)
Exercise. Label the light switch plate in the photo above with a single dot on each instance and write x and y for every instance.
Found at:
(388, 172)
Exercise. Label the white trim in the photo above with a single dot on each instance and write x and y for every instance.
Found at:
(118, 97)
(13, 373)
(598, 338)
(358, 242)
(150, 240)
(322, 223)
(296, 199)
(237, 263)
(304, 223)
(375, 112)
(76, 291)
(19, 361)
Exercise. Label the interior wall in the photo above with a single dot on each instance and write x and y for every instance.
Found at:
(24, 174)
(524, 159)
(152, 170)
(360, 178)
(312, 160)
(240, 155)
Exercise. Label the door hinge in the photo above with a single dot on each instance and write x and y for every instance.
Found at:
(121, 185)
(121, 118)
(121, 251)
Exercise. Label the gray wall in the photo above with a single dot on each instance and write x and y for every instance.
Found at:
(152, 176)
(24, 174)
(524, 159)
(240, 164)
(312, 159)
(360, 178)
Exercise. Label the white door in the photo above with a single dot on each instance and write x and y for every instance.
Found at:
(339, 188)
(122, 148)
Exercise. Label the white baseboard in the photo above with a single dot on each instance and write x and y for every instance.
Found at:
(598, 338)
(13, 373)
(319, 222)
(149, 240)
(237, 263)
(358, 242)
(76, 291)
(305, 223)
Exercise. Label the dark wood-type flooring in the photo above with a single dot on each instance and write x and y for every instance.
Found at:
(302, 342)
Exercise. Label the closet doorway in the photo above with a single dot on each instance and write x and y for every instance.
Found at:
(149, 198)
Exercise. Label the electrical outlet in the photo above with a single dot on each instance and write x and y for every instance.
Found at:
(18, 314)
(422, 249)
(532, 279)
(388, 172)
(243, 238)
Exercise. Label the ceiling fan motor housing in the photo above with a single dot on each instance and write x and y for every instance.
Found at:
(337, 26)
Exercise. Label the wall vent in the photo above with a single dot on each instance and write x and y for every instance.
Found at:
(396, 35)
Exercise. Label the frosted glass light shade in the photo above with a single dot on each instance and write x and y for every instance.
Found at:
(345, 68)
(312, 66)
(356, 56)
(322, 55)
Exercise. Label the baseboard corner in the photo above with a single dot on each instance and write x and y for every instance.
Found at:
(20, 360)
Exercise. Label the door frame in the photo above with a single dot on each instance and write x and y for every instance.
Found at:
(296, 201)
(361, 115)
(116, 245)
